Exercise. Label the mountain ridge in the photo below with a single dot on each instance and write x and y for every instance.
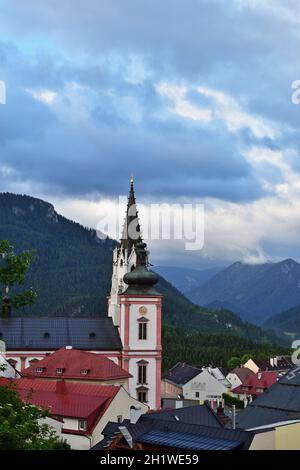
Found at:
(255, 292)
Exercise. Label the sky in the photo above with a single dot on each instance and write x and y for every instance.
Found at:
(193, 97)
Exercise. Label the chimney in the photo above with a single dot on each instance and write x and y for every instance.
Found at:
(220, 409)
(259, 375)
(135, 414)
(69, 347)
(233, 417)
(276, 361)
(272, 361)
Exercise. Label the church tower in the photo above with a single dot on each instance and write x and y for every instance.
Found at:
(136, 306)
(124, 257)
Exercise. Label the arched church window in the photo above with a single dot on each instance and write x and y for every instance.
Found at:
(121, 263)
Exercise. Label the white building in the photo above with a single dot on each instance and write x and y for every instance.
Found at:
(192, 384)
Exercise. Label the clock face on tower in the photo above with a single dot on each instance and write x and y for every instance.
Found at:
(143, 310)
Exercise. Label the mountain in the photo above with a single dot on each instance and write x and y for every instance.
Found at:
(72, 271)
(72, 266)
(186, 279)
(255, 292)
(286, 323)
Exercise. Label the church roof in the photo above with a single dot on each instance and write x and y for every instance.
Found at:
(76, 364)
(50, 333)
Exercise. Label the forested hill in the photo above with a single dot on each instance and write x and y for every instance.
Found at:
(72, 266)
(72, 270)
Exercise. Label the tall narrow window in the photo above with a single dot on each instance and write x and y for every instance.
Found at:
(142, 330)
(142, 396)
(142, 374)
(82, 425)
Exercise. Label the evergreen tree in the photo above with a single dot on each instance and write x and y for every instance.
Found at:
(13, 269)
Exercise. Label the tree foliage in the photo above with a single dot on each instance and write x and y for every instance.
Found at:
(234, 362)
(210, 348)
(22, 425)
(231, 400)
(13, 270)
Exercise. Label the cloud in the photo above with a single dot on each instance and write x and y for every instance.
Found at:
(194, 98)
(45, 96)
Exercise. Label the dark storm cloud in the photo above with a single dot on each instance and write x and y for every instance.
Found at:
(123, 124)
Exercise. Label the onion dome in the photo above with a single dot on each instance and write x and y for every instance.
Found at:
(140, 277)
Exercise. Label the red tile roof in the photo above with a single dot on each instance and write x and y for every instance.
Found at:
(66, 399)
(257, 383)
(73, 362)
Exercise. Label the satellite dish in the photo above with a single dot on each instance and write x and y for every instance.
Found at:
(2, 347)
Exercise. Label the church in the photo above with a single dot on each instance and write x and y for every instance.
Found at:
(130, 333)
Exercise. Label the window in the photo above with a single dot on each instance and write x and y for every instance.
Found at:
(84, 371)
(59, 370)
(46, 335)
(142, 396)
(39, 370)
(120, 418)
(82, 425)
(92, 335)
(142, 373)
(197, 394)
(143, 330)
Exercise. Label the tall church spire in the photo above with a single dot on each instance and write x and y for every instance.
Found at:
(131, 229)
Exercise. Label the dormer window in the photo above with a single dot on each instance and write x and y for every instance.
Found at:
(39, 370)
(92, 335)
(46, 335)
(59, 370)
(84, 371)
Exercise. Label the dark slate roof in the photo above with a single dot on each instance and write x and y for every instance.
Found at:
(199, 414)
(181, 373)
(283, 363)
(187, 441)
(186, 436)
(51, 333)
(281, 402)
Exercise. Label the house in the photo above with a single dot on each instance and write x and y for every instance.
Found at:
(275, 415)
(191, 428)
(219, 374)
(6, 369)
(280, 364)
(83, 408)
(73, 365)
(238, 375)
(254, 385)
(130, 332)
(192, 384)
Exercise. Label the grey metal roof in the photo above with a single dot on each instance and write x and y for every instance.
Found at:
(199, 414)
(281, 402)
(181, 373)
(187, 441)
(145, 425)
(51, 333)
